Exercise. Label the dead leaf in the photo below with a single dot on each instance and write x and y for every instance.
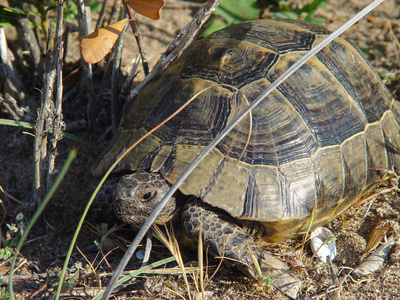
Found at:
(294, 263)
(377, 234)
(98, 44)
(375, 261)
(147, 8)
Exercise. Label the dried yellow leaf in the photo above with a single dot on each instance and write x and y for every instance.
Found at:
(98, 44)
(147, 8)
(377, 234)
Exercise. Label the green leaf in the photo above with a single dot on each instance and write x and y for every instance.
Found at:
(295, 13)
(95, 6)
(16, 11)
(310, 8)
(70, 11)
(286, 15)
(213, 24)
(9, 16)
(50, 4)
(231, 12)
(8, 22)
(6, 253)
(316, 21)
(39, 210)
(241, 10)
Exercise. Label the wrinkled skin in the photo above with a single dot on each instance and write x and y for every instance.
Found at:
(136, 195)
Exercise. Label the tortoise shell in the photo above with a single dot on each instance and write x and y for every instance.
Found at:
(314, 144)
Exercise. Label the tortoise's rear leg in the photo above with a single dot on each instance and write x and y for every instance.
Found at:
(221, 235)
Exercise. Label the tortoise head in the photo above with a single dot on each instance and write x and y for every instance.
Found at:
(136, 196)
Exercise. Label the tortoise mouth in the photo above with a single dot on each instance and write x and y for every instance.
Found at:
(134, 220)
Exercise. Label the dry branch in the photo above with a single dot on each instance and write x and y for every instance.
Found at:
(27, 35)
(49, 114)
(102, 14)
(12, 107)
(116, 80)
(87, 76)
(13, 84)
(183, 40)
(135, 31)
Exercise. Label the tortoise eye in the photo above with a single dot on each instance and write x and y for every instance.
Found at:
(148, 196)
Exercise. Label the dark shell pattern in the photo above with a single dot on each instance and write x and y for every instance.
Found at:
(315, 143)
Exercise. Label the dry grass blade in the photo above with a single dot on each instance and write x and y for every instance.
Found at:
(250, 127)
(10, 196)
(129, 252)
(200, 258)
(310, 223)
(172, 244)
(87, 260)
(256, 264)
(378, 233)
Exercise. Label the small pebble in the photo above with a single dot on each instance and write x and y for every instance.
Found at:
(140, 254)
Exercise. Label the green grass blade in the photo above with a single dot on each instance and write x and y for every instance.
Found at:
(31, 126)
(40, 209)
(78, 229)
(138, 272)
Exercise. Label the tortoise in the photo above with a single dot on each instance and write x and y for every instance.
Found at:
(312, 147)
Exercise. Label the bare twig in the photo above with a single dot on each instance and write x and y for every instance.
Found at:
(84, 28)
(28, 37)
(42, 127)
(334, 294)
(135, 31)
(115, 13)
(102, 14)
(12, 79)
(12, 107)
(68, 28)
(181, 4)
(49, 115)
(188, 33)
(58, 124)
(179, 44)
(126, 85)
(115, 80)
